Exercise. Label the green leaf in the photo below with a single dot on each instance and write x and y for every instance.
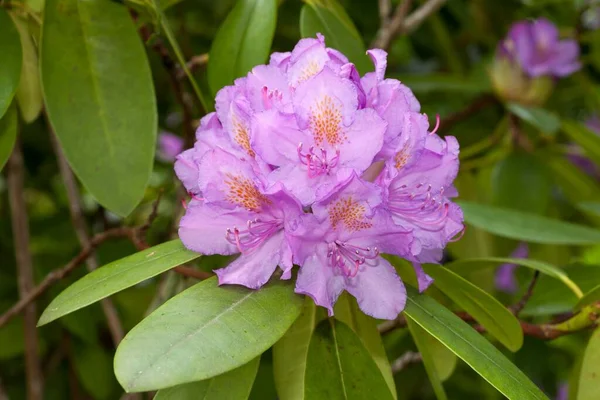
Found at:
(543, 267)
(116, 276)
(588, 140)
(29, 92)
(233, 385)
(590, 369)
(243, 41)
(590, 297)
(329, 18)
(8, 134)
(471, 347)
(347, 311)
(100, 98)
(444, 360)
(290, 352)
(340, 367)
(521, 173)
(544, 120)
(527, 227)
(94, 369)
(435, 83)
(12, 58)
(420, 337)
(489, 312)
(203, 332)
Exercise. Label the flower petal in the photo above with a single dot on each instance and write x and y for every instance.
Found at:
(319, 281)
(378, 289)
(275, 137)
(253, 270)
(365, 138)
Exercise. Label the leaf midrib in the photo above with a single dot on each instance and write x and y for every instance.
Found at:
(337, 356)
(460, 338)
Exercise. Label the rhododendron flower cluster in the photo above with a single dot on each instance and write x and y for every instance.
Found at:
(307, 163)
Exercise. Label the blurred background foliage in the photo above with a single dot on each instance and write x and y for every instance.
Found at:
(517, 161)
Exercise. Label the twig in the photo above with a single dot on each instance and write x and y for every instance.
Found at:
(403, 23)
(477, 105)
(517, 308)
(385, 8)
(192, 273)
(181, 96)
(193, 64)
(78, 219)
(59, 274)
(24, 271)
(388, 326)
(410, 357)
(3, 395)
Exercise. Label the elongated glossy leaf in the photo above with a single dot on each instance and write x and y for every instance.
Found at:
(10, 67)
(589, 378)
(329, 18)
(233, 385)
(544, 120)
(527, 227)
(420, 337)
(100, 98)
(8, 134)
(340, 367)
(203, 332)
(444, 360)
(243, 41)
(471, 347)
(489, 312)
(590, 297)
(545, 268)
(588, 140)
(347, 310)
(29, 92)
(116, 276)
(290, 352)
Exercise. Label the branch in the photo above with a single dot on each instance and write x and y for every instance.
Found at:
(20, 230)
(78, 219)
(59, 274)
(410, 357)
(192, 273)
(402, 23)
(517, 308)
(477, 105)
(193, 64)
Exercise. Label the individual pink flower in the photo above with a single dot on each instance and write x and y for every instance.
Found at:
(169, 146)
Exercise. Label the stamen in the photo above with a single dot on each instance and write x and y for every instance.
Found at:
(317, 164)
(257, 233)
(437, 124)
(348, 258)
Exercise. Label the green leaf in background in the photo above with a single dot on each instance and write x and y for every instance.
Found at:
(489, 312)
(93, 367)
(290, 352)
(8, 134)
(590, 297)
(419, 336)
(543, 267)
(100, 98)
(243, 41)
(589, 377)
(340, 367)
(116, 276)
(443, 359)
(29, 92)
(471, 347)
(435, 83)
(233, 385)
(347, 310)
(521, 173)
(527, 227)
(588, 140)
(329, 18)
(12, 58)
(203, 332)
(543, 120)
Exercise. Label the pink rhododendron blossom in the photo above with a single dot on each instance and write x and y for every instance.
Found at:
(307, 163)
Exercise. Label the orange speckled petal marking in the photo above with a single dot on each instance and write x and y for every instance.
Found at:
(241, 136)
(244, 193)
(325, 122)
(350, 213)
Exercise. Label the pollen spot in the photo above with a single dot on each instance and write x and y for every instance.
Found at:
(310, 70)
(325, 122)
(243, 192)
(401, 157)
(350, 213)
(241, 135)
